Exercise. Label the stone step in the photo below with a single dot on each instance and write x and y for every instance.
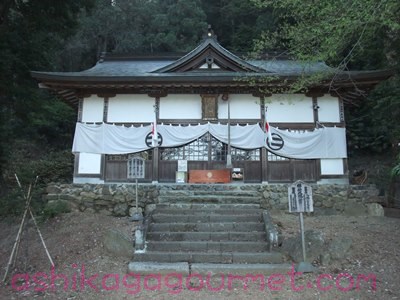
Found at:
(249, 270)
(206, 211)
(209, 257)
(143, 268)
(181, 218)
(183, 193)
(207, 227)
(199, 206)
(206, 236)
(229, 193)
(207, 246)
(210, 199)
(209, 269)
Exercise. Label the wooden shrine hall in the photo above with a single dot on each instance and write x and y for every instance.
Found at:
(208, 116)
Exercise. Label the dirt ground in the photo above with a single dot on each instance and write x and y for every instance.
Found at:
(75, 243)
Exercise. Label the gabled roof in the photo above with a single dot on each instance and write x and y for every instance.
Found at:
(210, 55)
(208, 61)
(208, 67)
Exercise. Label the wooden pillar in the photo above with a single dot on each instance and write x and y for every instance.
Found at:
(315, 109)
(80, 110)
(156, 153)
(314, 94)
(156, 159)
(343, 123)
(103, 156)
(79, 119)
(106, 97)
(105, 110)
(264, 151)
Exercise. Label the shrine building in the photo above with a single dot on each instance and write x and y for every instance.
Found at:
(219, 117)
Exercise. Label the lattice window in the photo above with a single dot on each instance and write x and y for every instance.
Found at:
(241, 154)
(119, 157)
(146, 155)
(274, 157)
(220, 150)
(196, 150)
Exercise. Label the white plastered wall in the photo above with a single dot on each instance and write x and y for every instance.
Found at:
(244, 106)
(130, 108)
(176, 106)
(289, 108)
(329, 109)
(89, 163)
(333, 166)
(92, 109)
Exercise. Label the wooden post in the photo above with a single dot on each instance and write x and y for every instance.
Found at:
(156, 155)
(264, 152)
(228, 155)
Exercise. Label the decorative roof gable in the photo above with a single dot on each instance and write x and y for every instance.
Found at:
(210, 56)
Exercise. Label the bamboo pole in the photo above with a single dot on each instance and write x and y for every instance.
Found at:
(34, 220)
(14, 252)
(41, 237)
(28, 200)
(17, 239)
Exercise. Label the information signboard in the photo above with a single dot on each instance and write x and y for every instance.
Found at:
(136, 167)
(182, 165)
(300, 197)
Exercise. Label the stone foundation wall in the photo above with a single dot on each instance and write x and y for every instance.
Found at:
(119, 199)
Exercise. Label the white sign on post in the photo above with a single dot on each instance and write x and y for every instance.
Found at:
(136, 170)
(182, 165)
(300, 200)
(136, 167)
(300, 197)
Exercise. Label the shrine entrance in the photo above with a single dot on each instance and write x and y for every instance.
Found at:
(208, 153)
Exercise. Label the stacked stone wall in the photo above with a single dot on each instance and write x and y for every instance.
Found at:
(120, 200)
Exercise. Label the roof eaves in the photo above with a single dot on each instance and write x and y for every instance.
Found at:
(208, 43)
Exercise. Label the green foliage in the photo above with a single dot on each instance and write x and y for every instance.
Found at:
(12, 203)
(238, 22)
(137, 26)
(338, 32)
(55, 208)
(273, 84)
(53, 122)
(372, 126)
(27, 161)
(32, 34)
(359, 34)
(396, 168)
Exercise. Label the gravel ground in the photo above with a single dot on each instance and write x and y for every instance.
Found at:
(75, 240)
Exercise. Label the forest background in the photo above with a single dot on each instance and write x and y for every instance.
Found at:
(36, 128)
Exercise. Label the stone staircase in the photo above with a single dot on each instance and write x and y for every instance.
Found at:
(202, 233)
(232, 196)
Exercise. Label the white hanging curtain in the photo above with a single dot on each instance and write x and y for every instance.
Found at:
(113, 139)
